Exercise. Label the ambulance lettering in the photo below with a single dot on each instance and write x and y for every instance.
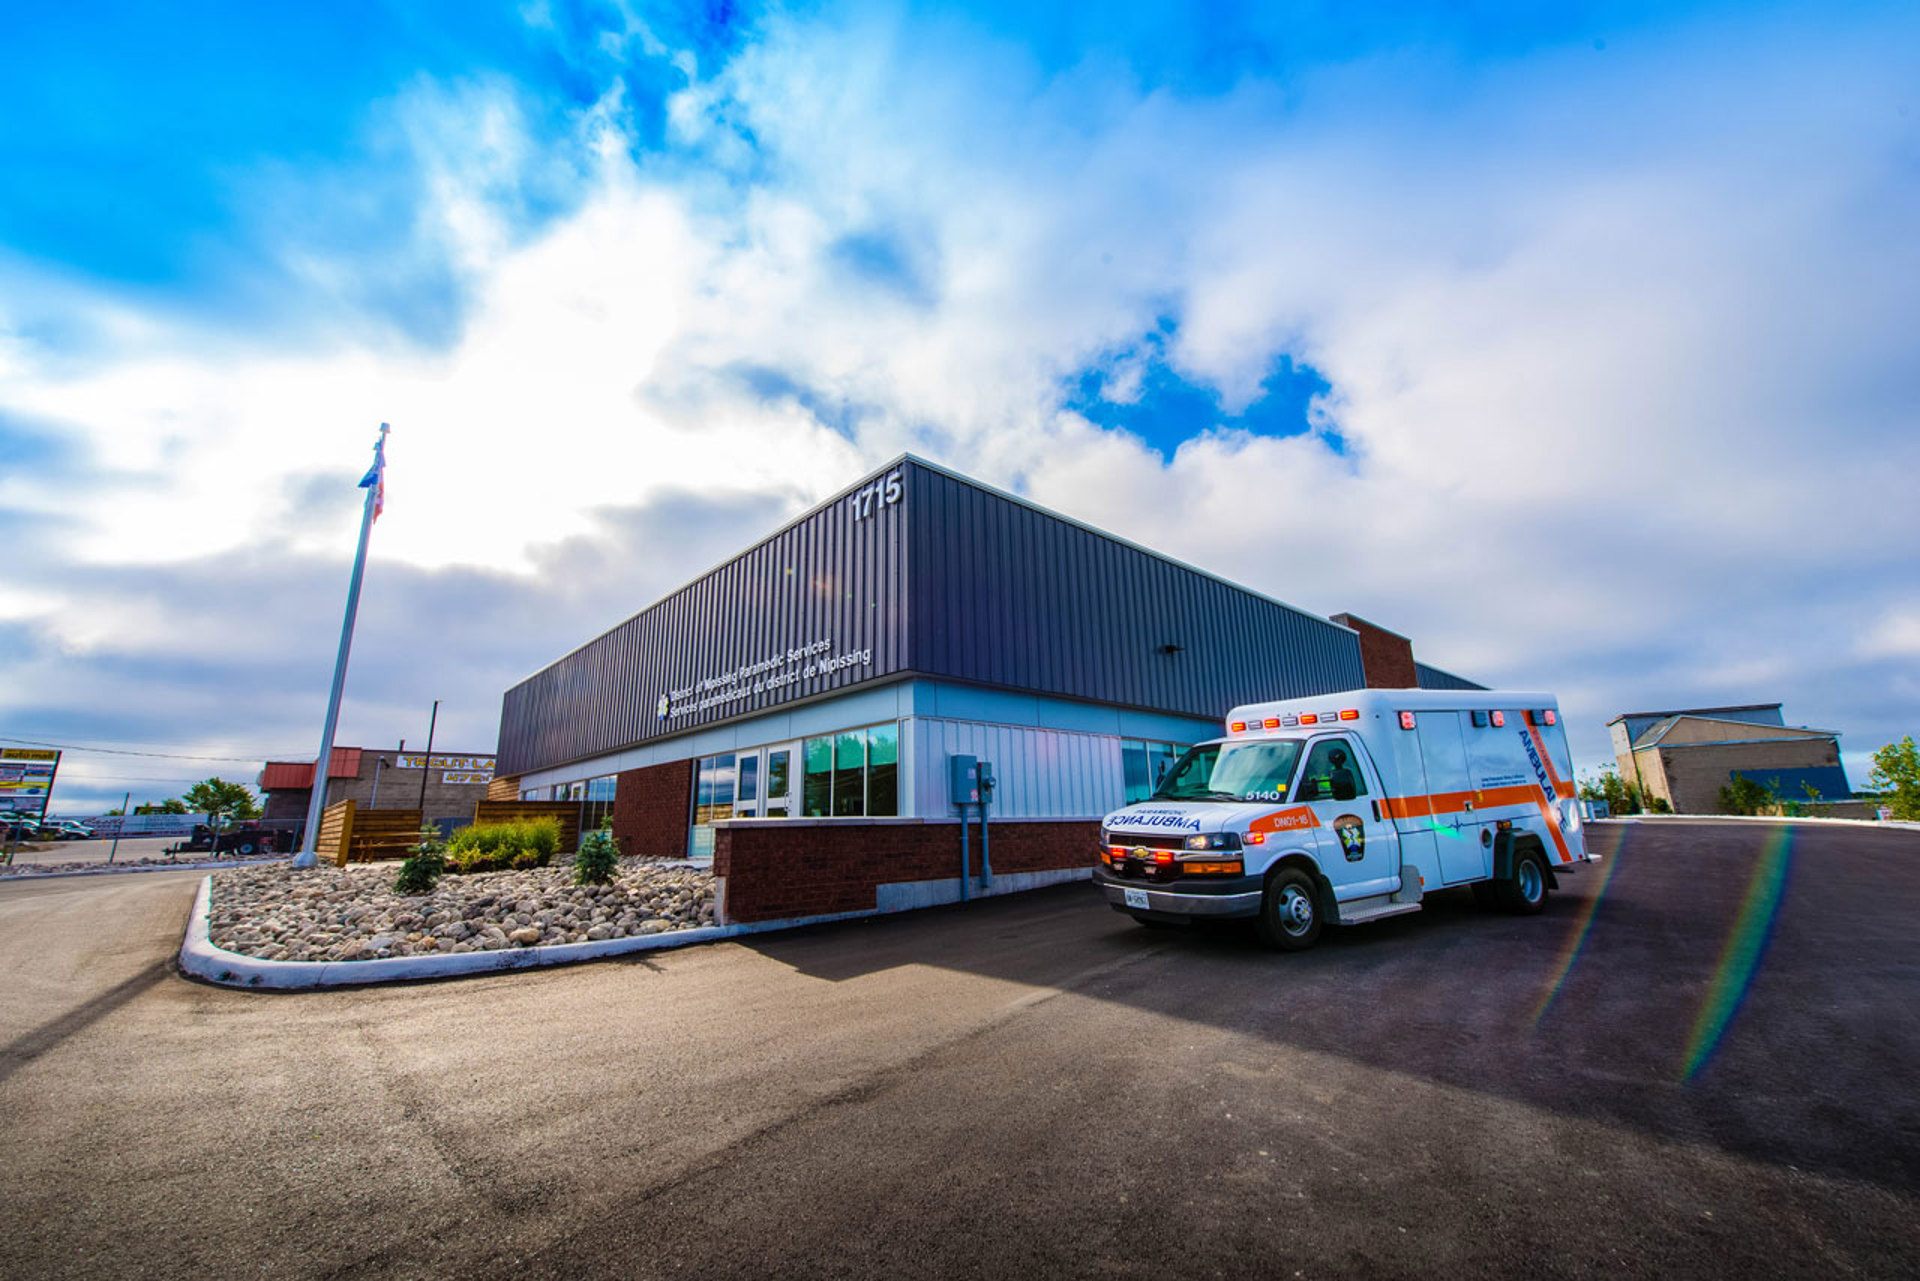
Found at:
(1539, 770)
(1158, 818)
(1297, 819)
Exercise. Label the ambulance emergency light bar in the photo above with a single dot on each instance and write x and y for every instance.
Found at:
(1481, 718)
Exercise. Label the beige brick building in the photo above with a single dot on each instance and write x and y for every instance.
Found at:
(1685, 756)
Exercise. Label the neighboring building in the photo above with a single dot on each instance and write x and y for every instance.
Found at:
(382, 779)
(825, 676)
(1686, 756)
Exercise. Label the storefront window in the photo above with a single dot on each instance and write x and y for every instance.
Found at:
(849, 770)
(816, 783)
(598, 804)
(1144, 766)
(713, 793)
(883, 770)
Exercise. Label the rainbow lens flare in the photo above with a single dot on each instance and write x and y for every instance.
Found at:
(1746, 947)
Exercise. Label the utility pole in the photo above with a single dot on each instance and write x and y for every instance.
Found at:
(125, 806)
(426, 762)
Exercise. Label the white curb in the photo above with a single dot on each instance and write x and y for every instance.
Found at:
(200, 957)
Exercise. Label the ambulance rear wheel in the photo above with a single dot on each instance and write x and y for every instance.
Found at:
(1525, 892)
(1290, 911)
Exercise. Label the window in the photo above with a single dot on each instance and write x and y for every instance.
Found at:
(713, 792)
(1255, 771)
(1144, 766)
(853, 773)
(883, 771)
(1331, 761)
(598, 803)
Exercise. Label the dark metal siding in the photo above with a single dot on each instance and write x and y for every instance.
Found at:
(1007, 595)
(1434, 678)
(826, 577)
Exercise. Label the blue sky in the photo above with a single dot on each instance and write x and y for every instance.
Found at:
(1585, 332)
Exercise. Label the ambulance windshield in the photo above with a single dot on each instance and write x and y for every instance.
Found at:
(1253, 771)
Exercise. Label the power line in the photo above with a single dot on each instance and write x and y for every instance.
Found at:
(171, 756)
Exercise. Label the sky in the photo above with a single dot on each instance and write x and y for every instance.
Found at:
(1576, 342)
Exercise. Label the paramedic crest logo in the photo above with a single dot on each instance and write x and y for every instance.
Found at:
(1353, 836)
(663, 705)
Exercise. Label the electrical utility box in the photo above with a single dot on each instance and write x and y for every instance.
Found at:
(984, 780)
(963, 779)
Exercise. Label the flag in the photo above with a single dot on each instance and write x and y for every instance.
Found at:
(376, 477)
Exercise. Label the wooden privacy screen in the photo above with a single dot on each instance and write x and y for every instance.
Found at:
(568, 812)
(349, 834)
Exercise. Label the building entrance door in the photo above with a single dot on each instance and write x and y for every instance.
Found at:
(765, 788)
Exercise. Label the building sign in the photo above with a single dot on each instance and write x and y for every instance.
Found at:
(467, 776)
(799, 666)
(878, 496)
(464, 764)
(26, 778)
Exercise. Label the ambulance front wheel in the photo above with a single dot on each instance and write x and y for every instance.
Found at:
(1525, 892)
(1289, 911)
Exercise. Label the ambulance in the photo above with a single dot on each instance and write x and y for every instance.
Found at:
(1346, 808)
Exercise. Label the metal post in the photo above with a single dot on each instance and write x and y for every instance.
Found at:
(986, 858)
(426, 762)
(125, 805)
(373, 803)
(323, 764)
(966, 863)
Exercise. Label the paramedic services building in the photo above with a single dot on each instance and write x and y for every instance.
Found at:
(791, 713)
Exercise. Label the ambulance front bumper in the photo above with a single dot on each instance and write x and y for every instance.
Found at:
(1239, 896)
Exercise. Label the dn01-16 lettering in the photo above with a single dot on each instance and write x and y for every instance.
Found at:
(882, 493)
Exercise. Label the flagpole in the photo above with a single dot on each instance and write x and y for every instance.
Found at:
(323, 763)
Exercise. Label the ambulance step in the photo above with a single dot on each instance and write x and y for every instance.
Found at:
(1376, 913)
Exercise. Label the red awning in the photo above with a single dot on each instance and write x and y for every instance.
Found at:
(292, 776)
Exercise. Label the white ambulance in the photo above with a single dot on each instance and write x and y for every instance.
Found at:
(1350, 807)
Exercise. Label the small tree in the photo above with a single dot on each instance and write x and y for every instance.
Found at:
(217, 799)
(424, 865)
(599, 856)
(164, 807)
(1896, 776)
(1621, 796)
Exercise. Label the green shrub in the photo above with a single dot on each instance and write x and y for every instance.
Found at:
(1745, 796)
(495, 847)
(599, 856)
(424, 866)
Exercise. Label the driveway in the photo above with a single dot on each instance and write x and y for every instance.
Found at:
(1707, 1068)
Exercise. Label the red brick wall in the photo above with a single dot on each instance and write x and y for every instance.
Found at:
(776, 869)
(1386, 658)
(652, 809)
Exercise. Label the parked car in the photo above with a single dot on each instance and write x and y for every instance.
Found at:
(65, 829)
(20, 827)
(246, 839)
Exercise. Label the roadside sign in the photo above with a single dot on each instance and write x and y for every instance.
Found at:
(26, 778)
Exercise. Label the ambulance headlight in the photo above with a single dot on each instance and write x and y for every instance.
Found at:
(1214, 841)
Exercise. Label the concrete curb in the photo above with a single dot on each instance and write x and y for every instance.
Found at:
(201, 958)
(118, 869)
(1893, 824)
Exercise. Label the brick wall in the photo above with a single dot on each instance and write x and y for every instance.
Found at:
(652, 809)
(1693, 776)
(776, 869)
(1386, 657)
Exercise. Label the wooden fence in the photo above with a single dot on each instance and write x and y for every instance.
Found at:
(568, 812)
(349, 834)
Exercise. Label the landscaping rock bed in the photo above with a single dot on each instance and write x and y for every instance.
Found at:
(280, 913)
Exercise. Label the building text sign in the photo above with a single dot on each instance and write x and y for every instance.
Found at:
(800, 665)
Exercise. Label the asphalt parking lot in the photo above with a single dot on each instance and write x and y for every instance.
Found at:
(1701, 1060)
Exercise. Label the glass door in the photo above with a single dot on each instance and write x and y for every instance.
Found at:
(776, 773)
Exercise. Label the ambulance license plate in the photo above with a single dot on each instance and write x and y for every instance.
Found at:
(1135, 898)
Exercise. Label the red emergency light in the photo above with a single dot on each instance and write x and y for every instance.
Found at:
(1351, 714)
(1308, 718)
(1273, 722)
(1406, 720)
(1499, 720)
(1550, 716)
(1238, 727)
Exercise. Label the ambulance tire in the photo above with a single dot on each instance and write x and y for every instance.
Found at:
(1290, 911)
(1525, 892)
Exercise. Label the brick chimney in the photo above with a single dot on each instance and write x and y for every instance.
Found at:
(1386, 657)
